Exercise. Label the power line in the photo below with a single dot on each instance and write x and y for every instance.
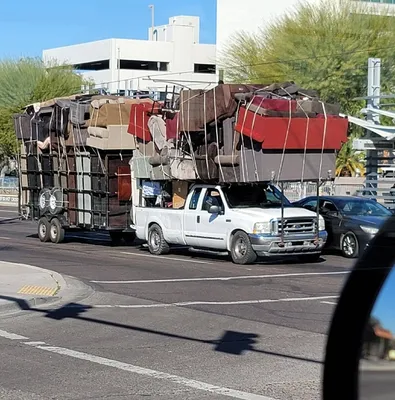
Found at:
(308, 58)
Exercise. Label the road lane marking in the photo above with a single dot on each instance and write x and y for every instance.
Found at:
(9, 211)
(34, 343)
(12, 336)
(4, 238)
(134, 369)
(329, 302)
(166, 258)
(213, 303)
(226, 278)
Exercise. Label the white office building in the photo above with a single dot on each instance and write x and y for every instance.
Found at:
(171, 55)
(249, 15)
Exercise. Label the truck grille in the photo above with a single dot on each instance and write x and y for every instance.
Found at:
(295, 226)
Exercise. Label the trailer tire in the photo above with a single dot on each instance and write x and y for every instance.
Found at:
(156, 242)
(43, 229)
(241, 250)
(57, 231)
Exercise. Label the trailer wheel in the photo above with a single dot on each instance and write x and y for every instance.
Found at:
(241, 250)
(56, 231)
(156, 241)
(43, 229)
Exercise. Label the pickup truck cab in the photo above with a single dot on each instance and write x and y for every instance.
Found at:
(244, 220)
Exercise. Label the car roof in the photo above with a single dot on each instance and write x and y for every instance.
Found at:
(334, 198)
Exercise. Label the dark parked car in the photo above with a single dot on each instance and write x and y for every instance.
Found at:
(351, 222)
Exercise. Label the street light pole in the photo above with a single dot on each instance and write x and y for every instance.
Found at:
(152, 7)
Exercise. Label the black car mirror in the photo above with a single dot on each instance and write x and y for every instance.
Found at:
(360, 356)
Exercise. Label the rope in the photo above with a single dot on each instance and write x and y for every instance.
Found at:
(285, 142)
(217, 134)
(205, 135)
(252, 143)
(323, 140)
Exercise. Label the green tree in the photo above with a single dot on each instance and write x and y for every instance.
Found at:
(322, 46)
(27, 81)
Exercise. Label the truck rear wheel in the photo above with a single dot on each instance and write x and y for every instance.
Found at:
(43, 229)
(56, 231)
(241, 250)
(156, 242)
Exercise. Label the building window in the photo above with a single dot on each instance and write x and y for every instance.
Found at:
(93, 66)
(205, 69)
(144, 65)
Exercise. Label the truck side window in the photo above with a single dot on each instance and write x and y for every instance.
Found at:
(195, 199)
(212, 198)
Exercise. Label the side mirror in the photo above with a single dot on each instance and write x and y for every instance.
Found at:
(214, 210)
(360, 351)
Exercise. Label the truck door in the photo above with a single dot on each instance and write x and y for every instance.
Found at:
(191, 217)
(212, 228)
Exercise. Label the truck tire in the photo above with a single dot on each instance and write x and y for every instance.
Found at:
(309, 258)
(56, 231)
(241, 250)
(43, 229)
(156, 242)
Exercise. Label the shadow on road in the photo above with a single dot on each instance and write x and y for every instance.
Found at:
(231, 342)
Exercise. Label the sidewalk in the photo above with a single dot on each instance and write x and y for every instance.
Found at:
(24, 286)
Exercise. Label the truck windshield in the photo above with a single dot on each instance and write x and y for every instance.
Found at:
(245, 196)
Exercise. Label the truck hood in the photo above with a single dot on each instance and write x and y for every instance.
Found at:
(269, 213)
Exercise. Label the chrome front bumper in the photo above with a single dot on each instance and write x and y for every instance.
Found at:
(265, 245)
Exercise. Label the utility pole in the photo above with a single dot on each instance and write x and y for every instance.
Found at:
(373, 102)
(152, 7)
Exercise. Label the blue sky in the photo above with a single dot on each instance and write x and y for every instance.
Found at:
(26, 31)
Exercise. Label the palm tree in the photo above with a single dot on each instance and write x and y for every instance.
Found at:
(349, 162)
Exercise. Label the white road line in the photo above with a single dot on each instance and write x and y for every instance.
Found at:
(134, 369)
(236, 394)
(9, 211)
(189, 261)
(214, 303)
(329, 302)
(12, 336)
(34, 343)
(4, 238)
(226, 278)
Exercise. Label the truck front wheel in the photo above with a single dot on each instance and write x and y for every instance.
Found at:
(241, 250)
(156, 242)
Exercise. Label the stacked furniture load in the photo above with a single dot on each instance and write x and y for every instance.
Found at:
(238, 133)
(74, 166)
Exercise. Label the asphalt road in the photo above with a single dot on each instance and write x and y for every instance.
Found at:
(377, 385)
(251, 331)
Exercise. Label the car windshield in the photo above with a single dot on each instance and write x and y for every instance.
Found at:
(245, 196)
(363, 207)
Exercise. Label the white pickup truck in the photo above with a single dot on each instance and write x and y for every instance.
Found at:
(244, 220)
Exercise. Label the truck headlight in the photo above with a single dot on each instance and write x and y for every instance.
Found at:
(369, 230)
(321, 224)
(261, 227)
